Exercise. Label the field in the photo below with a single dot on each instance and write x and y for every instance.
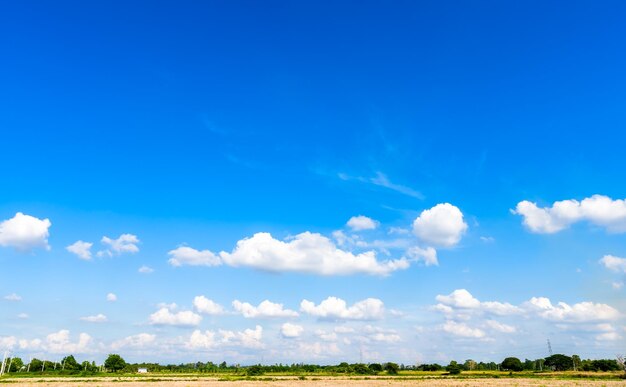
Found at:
(468, 379)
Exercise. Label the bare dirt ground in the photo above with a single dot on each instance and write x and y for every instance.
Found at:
(309, 382)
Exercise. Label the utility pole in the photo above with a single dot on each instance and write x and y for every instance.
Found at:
(29, 361)
(4, 360)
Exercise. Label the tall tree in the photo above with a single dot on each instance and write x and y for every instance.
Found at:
(114, 363)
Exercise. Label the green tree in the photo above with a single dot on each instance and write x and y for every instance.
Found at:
(469, 364)
(16, 364)
(35, 365)
(453, 368)
(69, 363)
(360, 369)
(375, 367)
(512, 364)
(559, 362)
(392, 368)
(114, 363)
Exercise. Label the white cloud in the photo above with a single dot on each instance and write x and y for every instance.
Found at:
(145, 269)
(344, 329)
(23, 316)
(60, 343)
(459, 298)
(25, 232)
(265, 309)
(32, 345)
(111, 297)
(13, 297)
(81, 249)
(306, 253)
(358, 223)
(139, 341)
(462, 330)
(249, 338)
(336, 308)
(500, 327)
(382, 180)
(207, 306)
(608, 336)
(580, 312)
(463, 300)
(326, 336)
(202, 340)
(187, 256)
(427, 255)
(289, 330)
(617, 285)
(99, 318)
(381, 335)
(500, 308)
(442, 225)
(7, 342)
(598, 209)
(125, 243)
(165, 316)
(614, 263)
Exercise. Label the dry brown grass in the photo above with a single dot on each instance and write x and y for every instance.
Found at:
(293, 381)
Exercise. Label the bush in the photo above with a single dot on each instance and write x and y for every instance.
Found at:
(454, 370)
(254, 370)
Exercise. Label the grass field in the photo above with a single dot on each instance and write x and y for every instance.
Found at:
(469, 379)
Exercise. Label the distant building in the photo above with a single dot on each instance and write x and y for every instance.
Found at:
(142, 370)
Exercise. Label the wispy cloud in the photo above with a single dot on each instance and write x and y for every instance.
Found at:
(381, 180)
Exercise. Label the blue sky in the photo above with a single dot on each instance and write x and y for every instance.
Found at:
(428, 169)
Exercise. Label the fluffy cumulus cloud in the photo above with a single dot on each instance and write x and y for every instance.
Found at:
(207, 306)
(614, 263)
(60, 343)
(442, 225)
(187, 256)
(265, 309)
(111, 297)
(460, 303)
(598, 209)
(359, 223)
(25, 232)
(139, 341)
(459, 298)
(306, 253)
(580, 312)
(167, 316)
(125, 243)
(81, 249)
(98, 318)
(208, 340)
(288, 330)
(336, 309)
(462, 330)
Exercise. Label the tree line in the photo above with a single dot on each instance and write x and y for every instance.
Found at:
(115, 363)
